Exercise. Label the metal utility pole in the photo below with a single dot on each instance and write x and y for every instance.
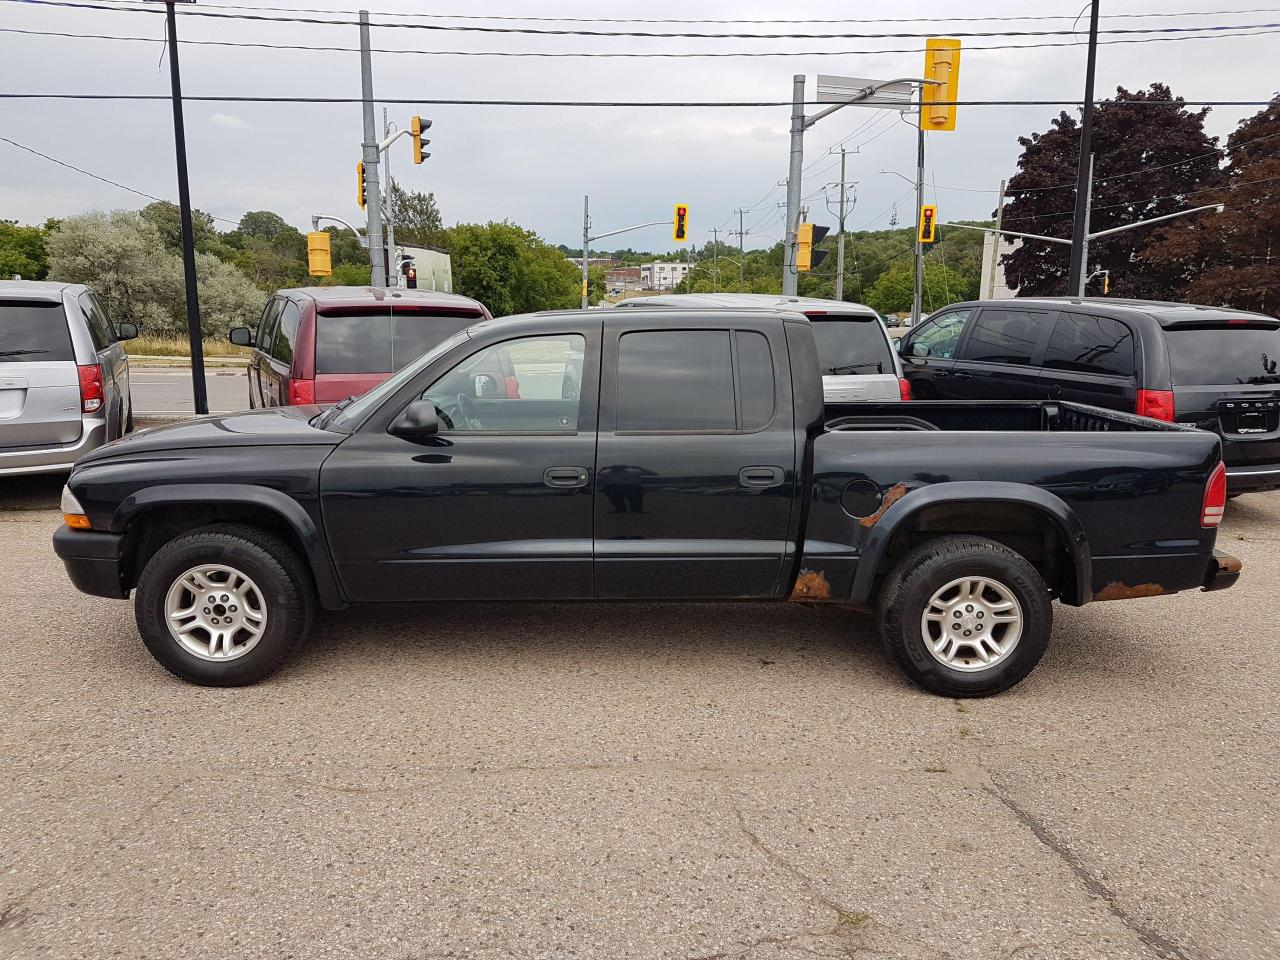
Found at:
(995, 247)
(586, 244)
(840, 247)
(393, 266)
(1080, 228)
(1083, 245)
(918, 290)
(373, 192)
(715, 258)
(742, 233)
(198, 390)
(791, 278)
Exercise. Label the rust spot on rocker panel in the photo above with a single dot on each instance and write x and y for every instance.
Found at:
(1115, 590)
(894, 494)
(1227, 563)
(811, 585)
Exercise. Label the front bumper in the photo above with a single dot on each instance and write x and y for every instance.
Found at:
(1253, 479)
(92, 559)
(54, 459)
(1223, 571)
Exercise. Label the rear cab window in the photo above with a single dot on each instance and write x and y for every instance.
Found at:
(364, 340)
(34, 331)
(851, 344)
(1223, 354)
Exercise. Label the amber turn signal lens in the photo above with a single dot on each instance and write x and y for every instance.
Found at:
(76, 521)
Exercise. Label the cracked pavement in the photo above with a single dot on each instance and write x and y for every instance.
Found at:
(714, 781)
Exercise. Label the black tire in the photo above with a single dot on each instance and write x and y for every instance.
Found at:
(281, 576)
(924, 571)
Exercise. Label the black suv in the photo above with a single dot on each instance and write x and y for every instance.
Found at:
(1211, 367)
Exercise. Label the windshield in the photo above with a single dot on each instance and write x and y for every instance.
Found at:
(854, 345)
(1207, 356)
(33, 331)
(353, 413)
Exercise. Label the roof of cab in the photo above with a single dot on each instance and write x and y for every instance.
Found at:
(767, 300)
(360, 296)
(44, 290)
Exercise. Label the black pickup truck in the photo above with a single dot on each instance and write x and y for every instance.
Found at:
(643, 455)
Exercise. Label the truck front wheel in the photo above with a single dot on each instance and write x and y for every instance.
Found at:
(224, 605)
(965, 616)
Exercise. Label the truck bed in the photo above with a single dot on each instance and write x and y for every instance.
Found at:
(1037, 416)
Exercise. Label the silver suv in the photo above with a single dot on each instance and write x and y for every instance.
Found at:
(64, 378)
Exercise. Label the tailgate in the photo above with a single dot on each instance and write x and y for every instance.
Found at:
(39, 382)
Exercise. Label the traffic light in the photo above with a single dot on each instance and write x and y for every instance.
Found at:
(319, 260)
(807, 237)
(416, 126)
(941, 63)
(928, 224)
(410, 273)
(680, 223)
(360, 183)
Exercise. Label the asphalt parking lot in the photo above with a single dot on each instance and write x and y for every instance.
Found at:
(650, 781)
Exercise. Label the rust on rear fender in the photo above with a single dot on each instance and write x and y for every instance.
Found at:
(892, 496)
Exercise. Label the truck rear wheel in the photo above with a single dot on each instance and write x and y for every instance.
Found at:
(224, 605)
(965, 616)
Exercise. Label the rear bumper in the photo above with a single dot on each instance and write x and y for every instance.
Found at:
(54, 459)
(1222, 571)
(1253, 479)
(92, 560)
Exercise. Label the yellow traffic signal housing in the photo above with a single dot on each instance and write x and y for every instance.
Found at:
(360, 183)
(807, 237)
(941, 63)
(928, 223)
(319, 257)
(680, 223)
(416, 126)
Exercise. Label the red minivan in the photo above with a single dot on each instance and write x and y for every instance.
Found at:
(324, 344)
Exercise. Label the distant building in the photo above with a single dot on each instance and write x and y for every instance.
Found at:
(606, 262)
(623, 278)
(662, 275)
(1000, 289)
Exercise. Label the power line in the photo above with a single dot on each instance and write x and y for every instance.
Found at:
(106, 180)
(541, 31)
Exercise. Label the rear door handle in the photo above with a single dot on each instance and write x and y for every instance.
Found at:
(760, 476)
(566, 477)
(963, 376)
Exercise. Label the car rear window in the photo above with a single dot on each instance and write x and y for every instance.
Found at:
(381, 342)
(1204, 356)
(33, 331)
(853, 344)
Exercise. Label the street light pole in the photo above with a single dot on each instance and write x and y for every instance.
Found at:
(918, 285)
(198, 390)
(1080, 227)
(840, 247)
(586, 244)
(790, 277)
(373, 191)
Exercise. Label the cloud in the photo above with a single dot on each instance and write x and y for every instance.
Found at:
(229, 121)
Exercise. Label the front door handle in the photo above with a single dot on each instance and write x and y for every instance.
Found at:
(963, 376)
(760, 477)
(566, 478)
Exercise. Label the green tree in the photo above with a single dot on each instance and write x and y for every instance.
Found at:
(894, 289)
(22, 251)
(417, 217)
(167, 219)
(510, 269)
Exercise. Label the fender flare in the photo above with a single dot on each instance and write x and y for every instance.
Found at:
(314, 545)
(970, 491)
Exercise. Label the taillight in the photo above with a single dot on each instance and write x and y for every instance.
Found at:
(513, 388)
(301, 391)
(904, 388)
(1156, 404)
(1215, 497)
(91, 394)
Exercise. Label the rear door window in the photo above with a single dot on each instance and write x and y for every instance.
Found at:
(755, 379)
(1004, 335)
(1205, 356)
(33, 331)
(380, 342)
(100, 330)
(851, 345)
(675, 381)
(1088, 344)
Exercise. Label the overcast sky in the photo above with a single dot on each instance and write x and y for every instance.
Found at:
(532, 165)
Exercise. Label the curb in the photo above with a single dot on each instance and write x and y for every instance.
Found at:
(153, 360)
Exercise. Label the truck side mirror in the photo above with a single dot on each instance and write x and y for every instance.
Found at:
(126, 330)
(418, 421)
(241, 336)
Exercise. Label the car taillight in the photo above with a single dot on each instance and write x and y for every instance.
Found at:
(90, 388)
(904, 388)
(1157, 404)
(301, 391)
(513, 388)
(1215, 497)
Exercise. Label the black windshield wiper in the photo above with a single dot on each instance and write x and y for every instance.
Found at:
(326, 417)
(19, 353)
(850, 367)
